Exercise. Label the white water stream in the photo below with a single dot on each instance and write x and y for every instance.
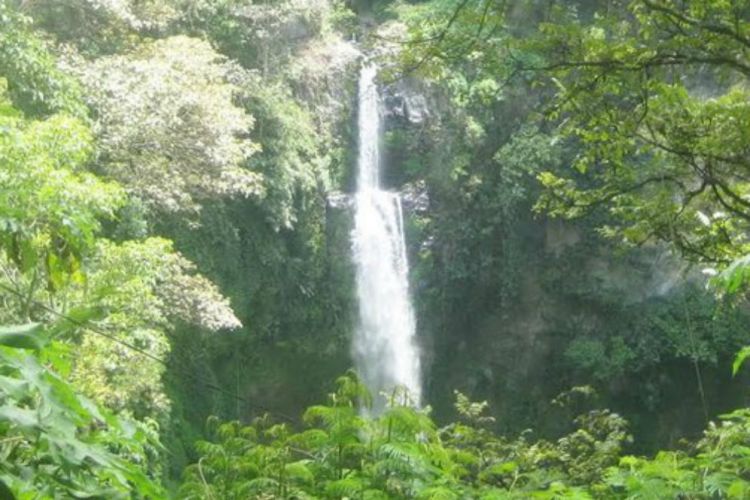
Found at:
(384, 345)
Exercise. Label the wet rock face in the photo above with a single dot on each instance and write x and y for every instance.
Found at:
(326, 73)
(411, 110)
(415, 198)
(406, 100)
(290, 20)
(336, 200)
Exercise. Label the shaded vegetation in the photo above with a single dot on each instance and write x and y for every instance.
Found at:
(174, 248)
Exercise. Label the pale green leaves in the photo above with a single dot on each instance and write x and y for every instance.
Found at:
(401, 455)
(167, 124)
(735, 278)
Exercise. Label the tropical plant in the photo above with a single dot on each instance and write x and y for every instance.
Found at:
(401, 454)
(53, 441)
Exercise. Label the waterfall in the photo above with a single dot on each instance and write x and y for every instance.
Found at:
(384, 345)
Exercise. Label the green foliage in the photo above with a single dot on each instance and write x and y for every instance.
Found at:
(198, 105)
(615, 119)
(734, 279)
(715, 469)
(36, 84)
(97, 27)
(657, 152)
(401, 454)
(739, 360)
(188, 149)
(117, 303)
(281, 255)
(265, 36)
(292, 165)
(22, 337)
(54, 442)
(51, 211)
(662, 155)
(602, 361)
(143, 289)
(50, 207)
(688, 325)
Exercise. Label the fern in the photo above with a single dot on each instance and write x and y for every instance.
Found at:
(438, 493)
(347, 487)
(401, 454)
(299, 472)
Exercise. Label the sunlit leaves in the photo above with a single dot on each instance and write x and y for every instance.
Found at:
(153, 280)
(51, 208)
(36, 84)
(167, 126)
(651, 95)
(106, 26)
(740, 359)
(54, 443)
(145, 288)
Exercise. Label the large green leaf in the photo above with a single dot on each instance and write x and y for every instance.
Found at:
(19, 417)
(28, 336)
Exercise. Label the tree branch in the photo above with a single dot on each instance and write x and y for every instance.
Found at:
(713, 28)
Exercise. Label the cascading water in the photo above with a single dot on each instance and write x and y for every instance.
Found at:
(384, 346)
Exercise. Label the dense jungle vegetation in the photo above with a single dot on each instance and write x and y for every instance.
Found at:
(177, 295)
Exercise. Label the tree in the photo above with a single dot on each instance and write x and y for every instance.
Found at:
(35, 84)
(649, 95)
(143, 289)
(659, 109)
(402, 454)
(54, 442)
(167, 126)
(51, 208)
(55, 263)
(104, 26)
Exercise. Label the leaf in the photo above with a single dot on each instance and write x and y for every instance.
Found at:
(738, 489)
(349, 486)
(734, 277)
(74, 319)
(19, 417)
(718, 483)
(5, 492)
(15, 388)
(740, 359)
(28, 336)
(438, 493)
(298, 471)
